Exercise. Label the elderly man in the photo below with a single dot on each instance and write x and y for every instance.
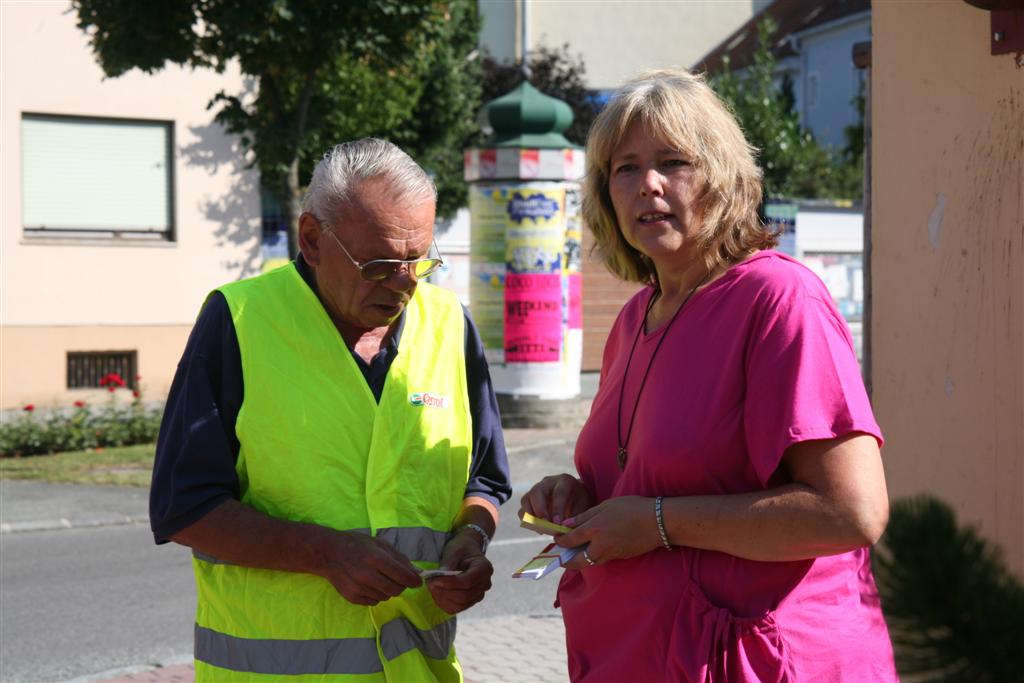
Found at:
(331, 434)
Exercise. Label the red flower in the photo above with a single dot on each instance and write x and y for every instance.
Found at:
(79, 404)
(136, 394)
(112, 381)
(111, 388)
(29, 407)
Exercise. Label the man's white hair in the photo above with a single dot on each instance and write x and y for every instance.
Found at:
(344, 167)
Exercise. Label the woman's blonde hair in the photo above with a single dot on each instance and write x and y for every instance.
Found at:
(678, 107)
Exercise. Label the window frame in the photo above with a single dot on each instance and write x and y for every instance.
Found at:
(112, 235)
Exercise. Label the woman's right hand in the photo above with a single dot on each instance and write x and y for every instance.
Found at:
(556, 498)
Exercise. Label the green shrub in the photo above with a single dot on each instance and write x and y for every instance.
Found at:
(81, 427)
(954, 610)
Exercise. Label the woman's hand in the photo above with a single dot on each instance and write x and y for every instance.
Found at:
(617, 529)
(556, 498)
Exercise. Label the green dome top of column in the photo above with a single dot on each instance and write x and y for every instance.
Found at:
(526, 117)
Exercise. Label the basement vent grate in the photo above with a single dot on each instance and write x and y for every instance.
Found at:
(87, 369)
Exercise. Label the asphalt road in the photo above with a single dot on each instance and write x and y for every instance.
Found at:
(81, 601)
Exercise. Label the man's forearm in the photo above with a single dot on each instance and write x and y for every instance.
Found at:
(238, 534)
(363, 569)
(478, 511)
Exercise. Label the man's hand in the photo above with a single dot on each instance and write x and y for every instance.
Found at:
(463, 552)
(366, 570)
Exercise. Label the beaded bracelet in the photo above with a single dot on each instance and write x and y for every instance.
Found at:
(661, 523)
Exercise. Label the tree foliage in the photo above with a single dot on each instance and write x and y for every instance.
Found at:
(954, 611)
(553, 71)
(794, 164)
(325, 71)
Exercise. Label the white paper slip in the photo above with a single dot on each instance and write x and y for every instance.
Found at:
(546, 561)
(431, 573)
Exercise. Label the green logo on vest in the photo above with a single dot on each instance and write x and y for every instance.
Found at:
(426, 398)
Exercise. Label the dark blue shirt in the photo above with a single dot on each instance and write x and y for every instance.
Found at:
(196, 451)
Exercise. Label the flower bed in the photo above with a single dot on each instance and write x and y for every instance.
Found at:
(81, 426)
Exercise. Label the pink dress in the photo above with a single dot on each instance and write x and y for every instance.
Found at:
(757, 361)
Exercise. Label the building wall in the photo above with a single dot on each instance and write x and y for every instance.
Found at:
(948, 263)
(603, 297)
(58, 295)
(645, 33)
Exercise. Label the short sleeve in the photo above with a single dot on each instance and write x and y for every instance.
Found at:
(489, 471)
(196, 450)
(803, 380)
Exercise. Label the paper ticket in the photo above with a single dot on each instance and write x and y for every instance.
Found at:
(542, 526)
(432, 573)
(545, 562)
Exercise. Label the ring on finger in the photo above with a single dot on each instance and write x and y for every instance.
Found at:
(586, 556)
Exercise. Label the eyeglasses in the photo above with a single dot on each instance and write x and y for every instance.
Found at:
(381, 269)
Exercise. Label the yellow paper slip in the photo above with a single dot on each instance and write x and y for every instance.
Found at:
(542, 526)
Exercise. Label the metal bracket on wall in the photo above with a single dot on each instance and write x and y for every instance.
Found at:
(1006, 31)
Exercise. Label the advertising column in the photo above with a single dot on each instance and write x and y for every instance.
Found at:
(525, 285)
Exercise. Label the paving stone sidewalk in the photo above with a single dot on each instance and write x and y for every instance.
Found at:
(515, 649)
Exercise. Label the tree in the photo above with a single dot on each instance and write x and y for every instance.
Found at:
(955, 611)
(554, 72)
(794, 165)
(325, 71)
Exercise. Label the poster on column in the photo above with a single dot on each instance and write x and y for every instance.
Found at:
(517, 293)
(573, 250)
(487, 205)
(534, 253)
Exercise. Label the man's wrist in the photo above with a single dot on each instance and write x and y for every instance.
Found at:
(485, 538)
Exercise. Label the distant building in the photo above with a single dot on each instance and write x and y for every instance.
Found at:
(813, 46)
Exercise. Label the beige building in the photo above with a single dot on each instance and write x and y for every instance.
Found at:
(947, 348)
(121, 206)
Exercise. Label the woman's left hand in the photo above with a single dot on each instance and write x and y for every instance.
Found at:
(617, 529)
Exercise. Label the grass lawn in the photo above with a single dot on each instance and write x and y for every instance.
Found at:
(123, 466)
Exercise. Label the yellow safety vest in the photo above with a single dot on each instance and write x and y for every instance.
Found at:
(317, 447)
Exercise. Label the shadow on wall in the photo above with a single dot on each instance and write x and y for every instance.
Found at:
(237, 211)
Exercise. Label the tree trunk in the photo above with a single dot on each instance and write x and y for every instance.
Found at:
(291, 207)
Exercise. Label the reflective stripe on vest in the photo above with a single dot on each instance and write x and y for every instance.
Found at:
(419, 544)
(327, 656)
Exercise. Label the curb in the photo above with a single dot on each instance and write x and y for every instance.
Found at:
(65, 523)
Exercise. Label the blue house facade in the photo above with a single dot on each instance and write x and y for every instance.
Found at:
(813, 47)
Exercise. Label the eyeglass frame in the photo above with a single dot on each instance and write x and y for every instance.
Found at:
(394, 262)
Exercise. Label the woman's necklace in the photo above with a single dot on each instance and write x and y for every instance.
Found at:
(622, 389)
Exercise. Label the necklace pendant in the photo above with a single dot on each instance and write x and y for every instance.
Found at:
(622, 458)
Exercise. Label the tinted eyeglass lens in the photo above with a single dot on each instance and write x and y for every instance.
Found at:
(381, 270)
(425, 267)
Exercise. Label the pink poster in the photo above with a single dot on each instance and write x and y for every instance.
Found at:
(533, 317)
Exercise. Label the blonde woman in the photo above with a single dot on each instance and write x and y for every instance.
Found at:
(729, 475)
